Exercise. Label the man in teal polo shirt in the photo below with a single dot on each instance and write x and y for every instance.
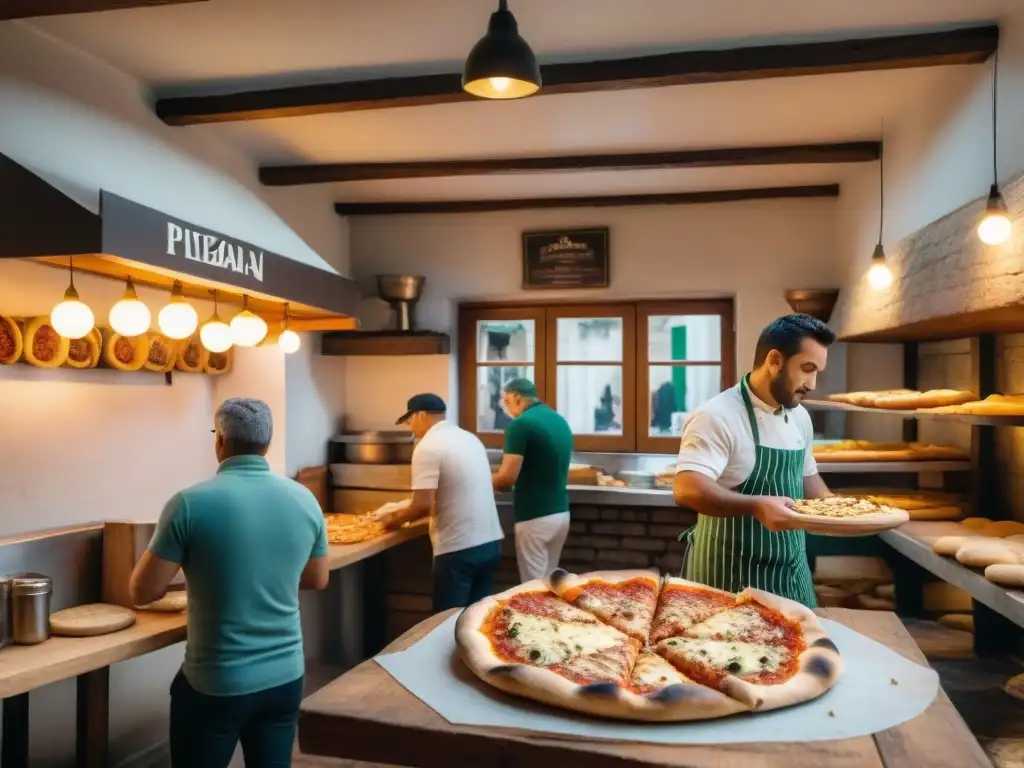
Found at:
(248, 541)
(538, 449)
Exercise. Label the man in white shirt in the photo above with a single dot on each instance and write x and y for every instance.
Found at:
(744, 456)
(452, 476)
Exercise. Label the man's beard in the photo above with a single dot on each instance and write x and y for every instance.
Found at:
(781, 393)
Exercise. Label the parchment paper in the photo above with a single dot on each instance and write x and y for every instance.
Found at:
(864, 701)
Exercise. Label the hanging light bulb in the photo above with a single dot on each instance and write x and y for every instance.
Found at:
(72, 317)
(215, 334)
(879, 274)
(129, 316)
(995, 227)
(247, 329)
(289, 340)
(501, 65)
(178, 319)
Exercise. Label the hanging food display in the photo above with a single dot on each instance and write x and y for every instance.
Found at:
(43, 346)
(125, 353)
(217, 363)
(85, 352)
(163, 352)
(191, 356)
(10, 340)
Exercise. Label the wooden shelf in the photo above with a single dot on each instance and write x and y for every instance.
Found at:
(385, 343)
(963, 418)
(891, 467)
(960, 326)
(1006, 602)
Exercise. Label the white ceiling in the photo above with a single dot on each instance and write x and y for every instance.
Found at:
(201, 47)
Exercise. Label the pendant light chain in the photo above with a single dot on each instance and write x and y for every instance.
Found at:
(995, 116)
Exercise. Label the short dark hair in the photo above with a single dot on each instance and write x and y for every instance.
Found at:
(787, 334)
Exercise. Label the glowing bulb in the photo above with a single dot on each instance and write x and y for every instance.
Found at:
(994, 229)
(499, 84)
(178, 320)
(247, 329)
(129, 316)
(215, 334)
(289, 341)
(72, 318)
(880, 276)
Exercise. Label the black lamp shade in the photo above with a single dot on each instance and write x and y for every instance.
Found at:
(995, 203)
(878, 257)
(501, 65)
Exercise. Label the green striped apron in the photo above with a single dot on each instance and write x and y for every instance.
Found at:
(732, 553)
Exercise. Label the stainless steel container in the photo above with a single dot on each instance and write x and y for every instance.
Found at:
(30, 608)
(401, 292)
(5, 612)
(377, 447)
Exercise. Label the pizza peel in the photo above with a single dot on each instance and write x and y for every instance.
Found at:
(90, 620)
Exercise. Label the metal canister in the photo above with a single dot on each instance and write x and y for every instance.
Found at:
(5, 611)
(30, 608)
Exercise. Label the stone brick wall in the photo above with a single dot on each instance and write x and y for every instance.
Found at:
(945, 365)
(600, 538)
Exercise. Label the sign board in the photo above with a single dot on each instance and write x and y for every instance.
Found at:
(566, 259)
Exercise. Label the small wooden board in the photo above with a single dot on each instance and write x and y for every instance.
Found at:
(91, 620)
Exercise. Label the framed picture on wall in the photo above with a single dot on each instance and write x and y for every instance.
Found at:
(575, 258)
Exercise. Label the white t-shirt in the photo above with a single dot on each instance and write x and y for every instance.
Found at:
(454, 463)
(718, 443)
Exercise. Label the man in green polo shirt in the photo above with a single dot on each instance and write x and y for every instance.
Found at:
(538, 448)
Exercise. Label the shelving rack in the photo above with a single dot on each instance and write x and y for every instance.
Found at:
(998, 618)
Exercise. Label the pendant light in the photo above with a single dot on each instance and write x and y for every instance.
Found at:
(215, 334)
(289, 340)
(129, 316)
(501, 65)
(178, 319)
(995, 227)
(72, 317)
(247, 329)
(879, 274)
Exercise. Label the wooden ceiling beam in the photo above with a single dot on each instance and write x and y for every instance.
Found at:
(601, 201)
(845, 152)
(27, 9)
(969, 45)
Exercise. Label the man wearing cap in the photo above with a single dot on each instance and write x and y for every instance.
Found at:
(538, 449)
(452, 476)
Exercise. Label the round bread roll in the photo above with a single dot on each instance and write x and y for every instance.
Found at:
(872, 603)
(1006, 575)
(971, 523)
(981, 554)
(886, 591)
(832, 597)
(950, 545)
(962, 621)
(1015, 686)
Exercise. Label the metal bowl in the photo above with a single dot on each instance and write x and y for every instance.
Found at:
(400, 287)
(389, 447)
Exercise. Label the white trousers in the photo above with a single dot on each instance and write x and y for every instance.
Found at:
(539, 544)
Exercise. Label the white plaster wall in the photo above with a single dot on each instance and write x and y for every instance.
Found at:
(753, 251)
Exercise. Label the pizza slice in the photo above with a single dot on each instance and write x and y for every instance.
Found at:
(623, 599)
(683, 604)
(766, 652)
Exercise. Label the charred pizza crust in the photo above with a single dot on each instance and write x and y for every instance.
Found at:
(654, 689)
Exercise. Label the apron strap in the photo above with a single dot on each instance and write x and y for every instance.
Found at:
(750, 409)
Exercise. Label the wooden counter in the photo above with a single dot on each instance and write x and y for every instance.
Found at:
(342, 555)
(367, 715)
(25, 667)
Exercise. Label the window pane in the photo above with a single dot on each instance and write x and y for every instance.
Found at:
(676, 390)
(490, 417)
(590, 339)
(590, 398)
(511, 340)
(684, 337)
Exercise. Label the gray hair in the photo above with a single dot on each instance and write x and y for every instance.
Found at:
(245, 422)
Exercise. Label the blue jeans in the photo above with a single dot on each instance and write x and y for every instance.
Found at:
(463, 577)
(206, 729)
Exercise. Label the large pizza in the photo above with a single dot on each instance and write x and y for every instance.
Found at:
(634, 646)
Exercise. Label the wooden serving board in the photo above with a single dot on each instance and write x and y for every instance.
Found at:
(90, 620)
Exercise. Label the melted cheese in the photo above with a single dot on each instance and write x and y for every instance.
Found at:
(628, 613)
(653, 671)
(736, 658)
(548, 641)
(737, 622)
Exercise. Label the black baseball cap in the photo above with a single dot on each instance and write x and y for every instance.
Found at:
(426, 402)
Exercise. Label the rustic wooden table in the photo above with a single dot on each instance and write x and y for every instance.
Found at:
(367, 715)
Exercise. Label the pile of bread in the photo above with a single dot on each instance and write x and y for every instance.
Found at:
(956, 401)
(921, 505)
(852, 581)
(865, 450)
(996, 547)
